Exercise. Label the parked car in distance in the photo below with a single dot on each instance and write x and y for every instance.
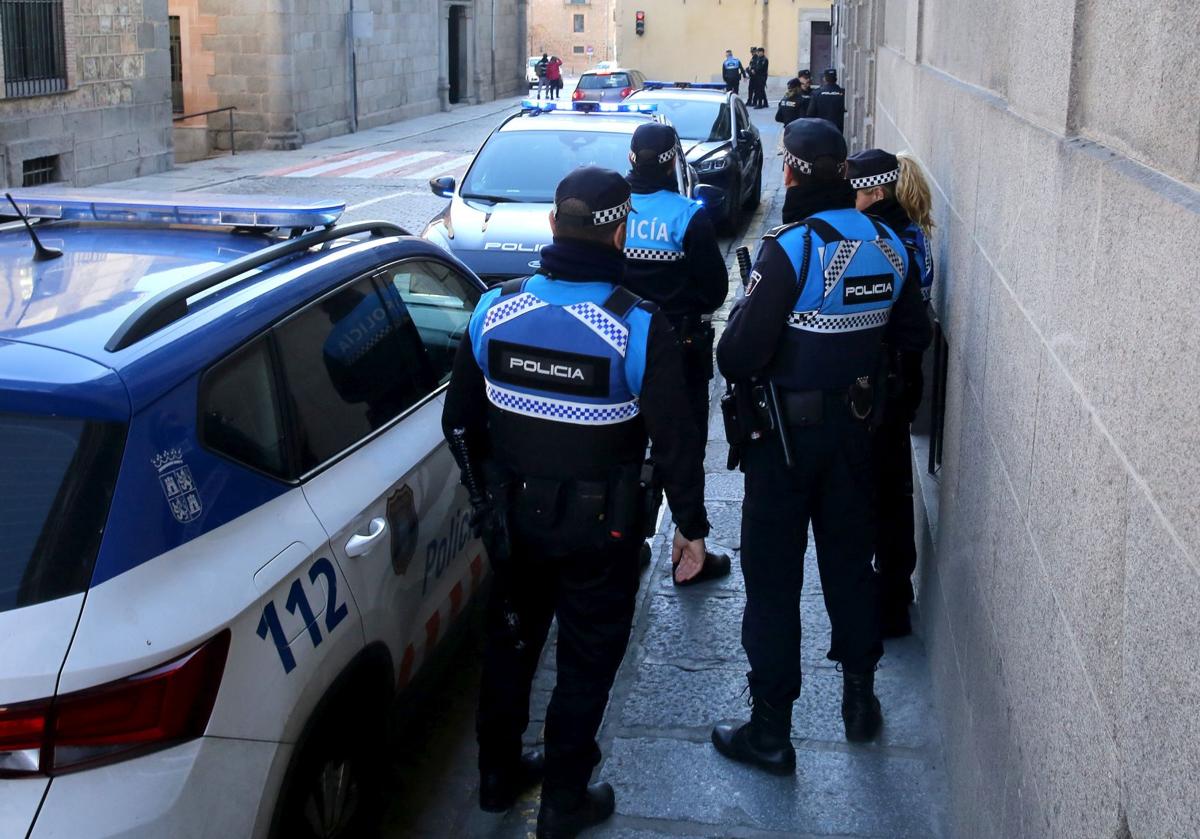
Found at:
(607, 85)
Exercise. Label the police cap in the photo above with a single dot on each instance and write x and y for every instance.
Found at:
(793, 83)
(831, 74)
(591, 196)
(652, 144)
(873, 167)
(804, 74)
(809, 139)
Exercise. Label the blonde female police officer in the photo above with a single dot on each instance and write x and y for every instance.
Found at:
(826, 290)
(556, 385)
(892, 189)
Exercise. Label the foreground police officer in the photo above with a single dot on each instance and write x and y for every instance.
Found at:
(556, 385)
(893, 189)
(673, 260)
(829, 100)
(825, 291)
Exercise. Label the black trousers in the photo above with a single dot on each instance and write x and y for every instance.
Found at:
(592, 595)
(895, 545)
(733, 85)
(757, 91)
(831, 485)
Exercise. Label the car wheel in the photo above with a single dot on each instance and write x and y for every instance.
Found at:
(733, 214)
(336, 789)
(755, 196)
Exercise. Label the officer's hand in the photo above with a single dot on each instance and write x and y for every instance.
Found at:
(687, 556)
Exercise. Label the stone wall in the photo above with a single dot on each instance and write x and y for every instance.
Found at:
(113, 120)
(1060, 575)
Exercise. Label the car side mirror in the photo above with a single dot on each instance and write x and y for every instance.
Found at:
(745, 136)
(709, 196)
(443, 187)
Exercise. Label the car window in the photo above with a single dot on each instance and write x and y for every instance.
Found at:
(697, 120)
(603, 81)
(501, 170)
(352, 362)
(743, 116)
(240, 414)
(440, 301)
(57, 477)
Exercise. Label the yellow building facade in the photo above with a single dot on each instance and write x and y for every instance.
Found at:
(580, 32)
(685, 40)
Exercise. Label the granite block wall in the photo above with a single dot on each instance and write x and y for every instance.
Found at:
(1060, 567)
(113, 118)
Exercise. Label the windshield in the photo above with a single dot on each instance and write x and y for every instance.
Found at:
(503, 172)
(596, 81)
(698, 120)
(56, 482)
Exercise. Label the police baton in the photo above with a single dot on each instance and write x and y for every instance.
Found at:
(770, 391)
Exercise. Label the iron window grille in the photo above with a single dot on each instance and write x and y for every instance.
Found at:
(35, 53)
(176, 65)
(37, 171)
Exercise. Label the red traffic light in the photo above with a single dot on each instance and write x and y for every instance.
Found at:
(641, 16)
(640, 26)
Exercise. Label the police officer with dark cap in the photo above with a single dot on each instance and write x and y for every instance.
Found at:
(894, 190)
(827, 289)
(673, 260)
(829, 101)
(556, 385)
(804, 96)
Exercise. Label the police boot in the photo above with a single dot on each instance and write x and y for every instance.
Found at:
(860, 708)
(498, 791)
(559, 819)
(765, 741)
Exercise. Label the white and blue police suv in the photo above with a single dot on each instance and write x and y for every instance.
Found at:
(230, 527)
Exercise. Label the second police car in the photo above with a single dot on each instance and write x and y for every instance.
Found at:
(497, 220)
(231, 526)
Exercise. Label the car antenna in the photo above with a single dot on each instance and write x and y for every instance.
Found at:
(41, 253)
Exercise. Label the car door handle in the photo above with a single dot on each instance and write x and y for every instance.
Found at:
(359, 544)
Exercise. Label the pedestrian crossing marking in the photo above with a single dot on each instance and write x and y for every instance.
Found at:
(402, 165)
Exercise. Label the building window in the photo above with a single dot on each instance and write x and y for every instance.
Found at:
(35, 54)
(577, 50)
(578, 2)
(578, 23)
(39, 170)
(176, 65)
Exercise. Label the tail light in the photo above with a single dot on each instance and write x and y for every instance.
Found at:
(625, 91)
(577, 95)
(150, 710)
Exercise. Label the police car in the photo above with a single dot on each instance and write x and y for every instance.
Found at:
(231, 526)
(719, 139)
(497, 221)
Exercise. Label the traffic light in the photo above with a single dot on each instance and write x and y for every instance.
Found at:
(641, 23)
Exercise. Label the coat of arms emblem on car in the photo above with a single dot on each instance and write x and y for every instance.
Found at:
(178, 486)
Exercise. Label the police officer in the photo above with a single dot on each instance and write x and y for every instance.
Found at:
(826, 290)
(804, 96)
(829, 101)
(732, 72)
(759, 69)
(893, 189)
(673, 260)
(555, 387)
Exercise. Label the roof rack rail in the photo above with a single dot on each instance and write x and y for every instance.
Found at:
(171, 305)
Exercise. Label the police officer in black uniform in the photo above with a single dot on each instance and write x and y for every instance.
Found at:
(829, 101)
(826, 290)
(673, 259)
(556, 385)
(804, 96)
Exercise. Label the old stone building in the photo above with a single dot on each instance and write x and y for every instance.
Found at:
(580, 32)
(1061, 569)
(85, 88)
(302, 70)
(685, 40)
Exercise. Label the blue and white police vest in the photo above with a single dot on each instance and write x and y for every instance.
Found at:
(564, 363)
(856, 269)
(730, 65)
(655, 230)
(919, 249)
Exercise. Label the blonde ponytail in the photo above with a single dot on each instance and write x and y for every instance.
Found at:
(912, 192)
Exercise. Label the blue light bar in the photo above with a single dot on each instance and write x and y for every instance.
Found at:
(202, 209)
(536, 105)
(684, 85)
(614, 108)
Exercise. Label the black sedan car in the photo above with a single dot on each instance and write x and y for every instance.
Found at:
(719, 139)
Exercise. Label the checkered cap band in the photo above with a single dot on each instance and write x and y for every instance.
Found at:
(595, 318)
(669, 154)
(801, 166)
(814, 322)
(561, 410)
(875, 180)
(652, 255)
(612, 214)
